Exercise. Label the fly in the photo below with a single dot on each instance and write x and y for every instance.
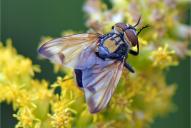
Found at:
(97, 60)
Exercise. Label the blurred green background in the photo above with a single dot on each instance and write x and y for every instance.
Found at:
(25, 22)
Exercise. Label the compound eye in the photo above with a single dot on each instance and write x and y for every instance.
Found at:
(130, 36)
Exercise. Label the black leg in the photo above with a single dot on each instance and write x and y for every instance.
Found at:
(128, 66)
(109, 56)
(115, 56)
(135, 53)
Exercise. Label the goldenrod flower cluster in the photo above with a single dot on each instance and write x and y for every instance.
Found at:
(138, 99)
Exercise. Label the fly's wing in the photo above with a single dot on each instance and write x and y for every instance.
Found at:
(65, 50)
(99, 83)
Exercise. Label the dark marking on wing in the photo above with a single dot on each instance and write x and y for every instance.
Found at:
(61, 56)
(78, 73)
(91, 89)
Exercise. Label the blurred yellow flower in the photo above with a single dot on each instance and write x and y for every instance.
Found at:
(62, 113)
(163, 57)
(26, 118)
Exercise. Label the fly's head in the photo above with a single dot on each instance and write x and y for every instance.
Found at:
(128, 32)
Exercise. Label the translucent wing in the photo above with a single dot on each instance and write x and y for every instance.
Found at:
(98, 78)
(100, 83)
(66, 50)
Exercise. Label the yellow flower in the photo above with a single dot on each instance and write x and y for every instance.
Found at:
(163, 57)
(121, 103)
(26, 118)
(40, 90)
(62, 113)
(68, 84)
(61, 119)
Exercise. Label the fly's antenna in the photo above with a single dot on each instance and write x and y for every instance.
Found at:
(137, 22)
(146, 26)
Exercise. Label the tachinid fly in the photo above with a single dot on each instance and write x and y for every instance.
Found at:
(97, 60)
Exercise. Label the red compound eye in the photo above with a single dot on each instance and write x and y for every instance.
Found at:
(130, 35)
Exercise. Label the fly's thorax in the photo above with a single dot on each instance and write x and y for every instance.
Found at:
(113, 42)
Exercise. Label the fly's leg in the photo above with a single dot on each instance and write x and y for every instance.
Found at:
(118, 57)
(104, 53)
(135, 53)
(121, 58)
(128, 66)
